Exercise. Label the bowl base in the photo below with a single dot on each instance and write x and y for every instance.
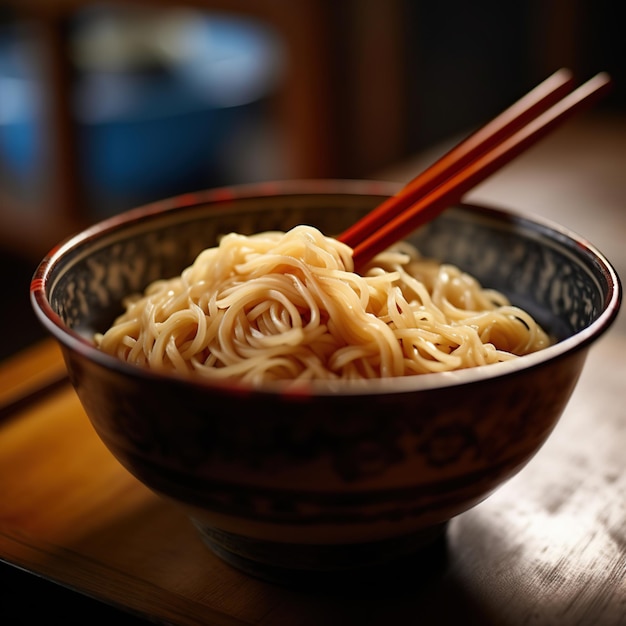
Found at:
(329, 565)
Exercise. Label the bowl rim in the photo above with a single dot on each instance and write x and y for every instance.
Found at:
(75, 342)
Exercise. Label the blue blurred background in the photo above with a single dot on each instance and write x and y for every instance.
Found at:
(164, 102)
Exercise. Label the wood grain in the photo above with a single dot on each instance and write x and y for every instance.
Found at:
(19, 379)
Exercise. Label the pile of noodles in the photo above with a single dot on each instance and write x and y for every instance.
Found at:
(277, 306)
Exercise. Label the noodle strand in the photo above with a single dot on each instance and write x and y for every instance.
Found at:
(288, 306)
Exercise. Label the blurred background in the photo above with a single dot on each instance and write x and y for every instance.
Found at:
(106, 106)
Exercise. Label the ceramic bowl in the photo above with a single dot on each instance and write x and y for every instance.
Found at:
(336, 479)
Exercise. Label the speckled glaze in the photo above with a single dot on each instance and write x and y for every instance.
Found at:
(327, 479)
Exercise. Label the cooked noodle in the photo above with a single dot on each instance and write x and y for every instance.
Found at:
(276, 306)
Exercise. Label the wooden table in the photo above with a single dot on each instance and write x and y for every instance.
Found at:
(548, 548)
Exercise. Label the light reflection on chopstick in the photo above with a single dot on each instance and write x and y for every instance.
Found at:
(470, 162)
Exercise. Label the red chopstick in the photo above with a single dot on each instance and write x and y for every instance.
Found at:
(470, 163)
(529, 106)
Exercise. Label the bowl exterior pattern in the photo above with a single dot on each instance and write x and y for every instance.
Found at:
(331, 467)
(291, 480)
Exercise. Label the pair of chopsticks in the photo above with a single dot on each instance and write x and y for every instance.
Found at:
(471, 161)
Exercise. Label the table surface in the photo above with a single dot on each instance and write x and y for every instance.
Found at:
(549, 547)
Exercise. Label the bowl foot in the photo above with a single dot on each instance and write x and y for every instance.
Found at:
(328, 565)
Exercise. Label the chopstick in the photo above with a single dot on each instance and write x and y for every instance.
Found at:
(534, 102)
(469, 163)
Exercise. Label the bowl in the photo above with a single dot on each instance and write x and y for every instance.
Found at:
(334, 479)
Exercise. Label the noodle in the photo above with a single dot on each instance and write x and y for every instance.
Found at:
(276, 306)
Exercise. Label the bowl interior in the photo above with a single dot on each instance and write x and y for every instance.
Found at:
(543, 269)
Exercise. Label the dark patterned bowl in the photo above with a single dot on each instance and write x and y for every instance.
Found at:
(337, 479)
